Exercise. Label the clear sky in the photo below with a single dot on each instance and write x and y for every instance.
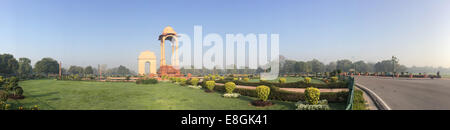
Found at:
(114, 32)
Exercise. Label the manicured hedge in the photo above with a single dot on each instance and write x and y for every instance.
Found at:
(282, 95)
(146, 81)
(299, 84)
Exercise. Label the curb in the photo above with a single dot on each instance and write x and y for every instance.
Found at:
(379, 103)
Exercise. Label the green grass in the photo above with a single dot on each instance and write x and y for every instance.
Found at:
(445, 76)
(84, 95)
(358, 100)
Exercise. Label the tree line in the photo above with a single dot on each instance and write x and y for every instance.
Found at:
(288, 66)
(22, 68)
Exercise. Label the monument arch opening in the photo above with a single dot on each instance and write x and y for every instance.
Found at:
(144, 58)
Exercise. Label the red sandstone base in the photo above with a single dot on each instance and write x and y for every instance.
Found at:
(169, 71)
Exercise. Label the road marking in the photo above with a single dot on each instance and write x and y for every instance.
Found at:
(376, 96)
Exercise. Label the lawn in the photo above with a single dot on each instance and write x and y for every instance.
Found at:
(84, 95)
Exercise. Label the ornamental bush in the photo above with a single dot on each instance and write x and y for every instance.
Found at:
(263, 92)
(235, 79)
(194, 81)
(18, 91)
(146, 81)
(307, 80)
(312, 95)
(334, 79)
(177, 80)
(282, 80)
(210, 85)
(213, 77)
(3, 96)
(229, 87)
(182, 81)
(11, 83)
(246, 79)
(1, 81)
(205, 78)
(222, 78)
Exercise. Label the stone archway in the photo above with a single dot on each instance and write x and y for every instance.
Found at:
(144, 57)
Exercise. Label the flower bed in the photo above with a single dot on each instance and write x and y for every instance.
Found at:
(276, 94)
(298, 84)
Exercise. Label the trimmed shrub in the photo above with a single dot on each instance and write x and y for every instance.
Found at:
(282, 80)
(177, 80)
(3, 96)
(298, 84)
(213, 77)
(334, 79)
(282, 95)
(205, 78)
(222, 78)
(18, 91)
(246, 79)
(1, 81)
(194, 81)
(146, 81)
(263, 92)
(210, 85)
(307, 80)
(235, 79)
(229, 87)
(182, 81)
(312, 95)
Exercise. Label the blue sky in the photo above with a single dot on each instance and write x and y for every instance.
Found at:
(114, 32)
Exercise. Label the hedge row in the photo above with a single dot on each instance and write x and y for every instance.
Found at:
(282, 95)
(298, 84)
(146, 81)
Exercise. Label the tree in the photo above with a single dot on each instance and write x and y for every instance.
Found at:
(46, 66)
(361, 66)
(394, 63)
(316, 66)
(330, 67)
(303, 67)
(344, 65)
(75, 70)
(25, 68)
(8, 64)
(122, 70)
(288, 67)
(88, 70)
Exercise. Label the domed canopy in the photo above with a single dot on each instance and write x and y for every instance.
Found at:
(169, 30)
(169, 33)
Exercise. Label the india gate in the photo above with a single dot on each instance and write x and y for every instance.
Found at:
(149, 57)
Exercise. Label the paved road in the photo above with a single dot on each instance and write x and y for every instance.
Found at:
(407, 94)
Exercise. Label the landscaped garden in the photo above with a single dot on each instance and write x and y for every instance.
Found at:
(88, 95)
(288, 80)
